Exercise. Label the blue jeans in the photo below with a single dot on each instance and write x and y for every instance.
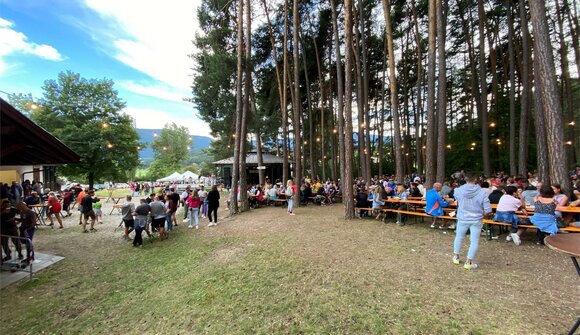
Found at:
(290, 205)
(194, 213)
(460, 232)
(169, 222)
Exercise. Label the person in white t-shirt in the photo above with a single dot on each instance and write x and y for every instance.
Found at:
(506, 212)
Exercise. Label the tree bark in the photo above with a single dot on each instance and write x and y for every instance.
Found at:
(365, 96)
(322, 104)
(245, 205)
(553, 116)
(542, 172)
(418, 145)
(431, 122)
(394, 95)
(340, 100)
(441, 91)
(286, 171)
(483, 88)
(566, 87)
(281, 90)
(512, 71)
(296, 105)
(359, 101)
(347, 183)
(525, 97)
(239, 110)
(311, 148)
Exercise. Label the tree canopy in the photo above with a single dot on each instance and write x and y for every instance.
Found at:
(85, 114)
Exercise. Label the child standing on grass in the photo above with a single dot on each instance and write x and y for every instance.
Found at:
(98, 207)
(289, 194)
(194, 203)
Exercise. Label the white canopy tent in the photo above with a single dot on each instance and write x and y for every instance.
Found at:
(189, 176)
(172, 177)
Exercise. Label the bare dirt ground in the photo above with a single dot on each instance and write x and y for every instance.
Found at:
(527, 289)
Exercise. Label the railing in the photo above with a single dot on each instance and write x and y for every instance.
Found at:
(18, 264)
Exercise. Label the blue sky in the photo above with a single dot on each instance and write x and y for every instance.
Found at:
(141, 45)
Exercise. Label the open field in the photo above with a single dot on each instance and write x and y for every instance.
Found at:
(265, 272)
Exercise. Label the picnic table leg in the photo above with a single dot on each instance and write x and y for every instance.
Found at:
(574, 327)
(487, 232)
(575, 261)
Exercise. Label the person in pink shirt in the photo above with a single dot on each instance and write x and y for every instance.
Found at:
(194, 203)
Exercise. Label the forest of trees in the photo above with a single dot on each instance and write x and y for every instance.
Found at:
(346, 89)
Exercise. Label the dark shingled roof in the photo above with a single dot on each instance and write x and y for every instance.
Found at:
(252, 159)
(23, 142)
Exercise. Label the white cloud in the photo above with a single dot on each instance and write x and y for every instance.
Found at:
(157, 91)
(12, 41)
(156, 119)
(152, 37)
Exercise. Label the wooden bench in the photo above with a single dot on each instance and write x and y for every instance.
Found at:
(487, 222)
(277, 202)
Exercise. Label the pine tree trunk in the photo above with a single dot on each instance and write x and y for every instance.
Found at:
(441, 91)
(322, 106)
(431, 121)
(566, 87)
(239, 107)
(311, 148)
(418, 145)
(281, 83)
(574, 31)
(365, 96)
(483, 90)
(347, 183)
(512, 71)
(394, 95)
(552, 107)
(526, 89)
(542, 172)
(340, 100)
(296, 105)
(359, 101)
(286, 171)
(245, 205)
(261, 172)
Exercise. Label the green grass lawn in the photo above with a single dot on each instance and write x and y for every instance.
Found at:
(264, 272)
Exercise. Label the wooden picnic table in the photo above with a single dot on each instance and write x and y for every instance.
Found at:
(116, 206)
(568, 244)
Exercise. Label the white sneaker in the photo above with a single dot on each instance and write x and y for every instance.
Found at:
(516, 238)
(433, 225)
(508, 238)
(452, 226)
(190, 226)
(185, 220)
(471, 266)
(455, 260)
(196, 227)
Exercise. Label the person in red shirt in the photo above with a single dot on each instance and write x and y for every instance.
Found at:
(54, 208)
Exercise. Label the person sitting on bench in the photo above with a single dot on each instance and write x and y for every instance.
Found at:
(435, 204)
(506, 212)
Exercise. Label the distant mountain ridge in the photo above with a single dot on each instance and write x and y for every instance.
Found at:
(146, 136)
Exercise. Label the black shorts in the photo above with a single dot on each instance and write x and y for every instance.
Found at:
(158, 223)
(90, 214)
(129, 223)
